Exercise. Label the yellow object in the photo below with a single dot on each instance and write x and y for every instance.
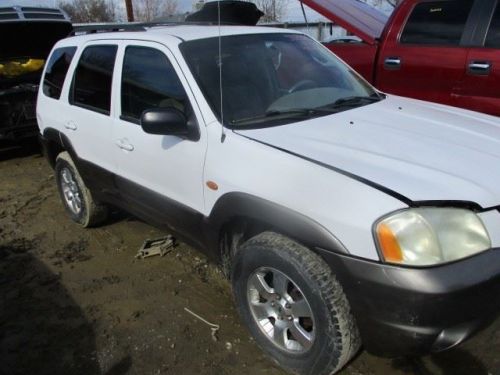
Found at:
(16, 68)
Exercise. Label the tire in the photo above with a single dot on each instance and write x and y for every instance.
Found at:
(82, 208)
(324, 342)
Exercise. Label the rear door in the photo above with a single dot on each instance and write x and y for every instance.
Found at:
(480, 90)
(161, 176)
(87, 120)
(425, 58)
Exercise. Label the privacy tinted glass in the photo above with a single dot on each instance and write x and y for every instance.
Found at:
(493, 37)
(437, 23)
(57, 68)
(93, 78)
(149, 81)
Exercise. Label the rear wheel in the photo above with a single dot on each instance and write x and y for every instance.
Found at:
(76, 197)
(293, 305)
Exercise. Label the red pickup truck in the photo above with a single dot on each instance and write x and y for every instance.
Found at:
(445, 51)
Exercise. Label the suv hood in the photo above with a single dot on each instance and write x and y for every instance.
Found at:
(416, 151)
(355, 16)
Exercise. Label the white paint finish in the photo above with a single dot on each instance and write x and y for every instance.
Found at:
(491, 220)
(168, 165)
(90, 132)
(423, 151)
(407, 150)
(347, 208)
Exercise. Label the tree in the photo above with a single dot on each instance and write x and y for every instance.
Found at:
(86, 11)
(148, 10)
(274, 10)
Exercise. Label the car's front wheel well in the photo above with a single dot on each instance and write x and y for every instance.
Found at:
(235, 233)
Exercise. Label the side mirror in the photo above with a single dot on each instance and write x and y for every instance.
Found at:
(168, 121)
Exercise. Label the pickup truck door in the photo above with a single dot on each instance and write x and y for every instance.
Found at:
(422, 55)
(479, 90)
(159, 176)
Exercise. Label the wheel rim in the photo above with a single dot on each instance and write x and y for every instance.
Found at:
(71, 191)
(281, 310)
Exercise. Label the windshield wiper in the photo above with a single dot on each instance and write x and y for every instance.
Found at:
(355, 101)
(294, 112)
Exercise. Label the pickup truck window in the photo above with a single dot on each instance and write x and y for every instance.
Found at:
(91, 88)
(149, 81)
(56, 71)
(273, 79)
(493, 37)
(437, 23)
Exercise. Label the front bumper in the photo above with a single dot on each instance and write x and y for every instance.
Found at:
(411, 312)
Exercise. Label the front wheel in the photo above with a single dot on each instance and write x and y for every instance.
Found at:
(293, 305)
(76, 197)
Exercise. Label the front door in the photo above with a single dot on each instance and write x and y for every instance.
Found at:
(160, 176)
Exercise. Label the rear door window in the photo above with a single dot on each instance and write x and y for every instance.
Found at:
(56, 71)
(91, 88)
(149, 81)
(437, 23)
(493, 37)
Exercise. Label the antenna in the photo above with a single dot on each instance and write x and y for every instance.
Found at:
(223, 133)
(304, 13)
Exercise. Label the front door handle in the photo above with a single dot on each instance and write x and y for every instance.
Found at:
(124, 145)
(481, 68)
(392, 63)
(70, 125)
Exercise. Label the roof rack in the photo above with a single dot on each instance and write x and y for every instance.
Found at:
(19, 13)
(82, 29)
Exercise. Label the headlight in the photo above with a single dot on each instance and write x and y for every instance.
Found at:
(430, 236)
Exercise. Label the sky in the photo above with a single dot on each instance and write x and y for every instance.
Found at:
(294, 12)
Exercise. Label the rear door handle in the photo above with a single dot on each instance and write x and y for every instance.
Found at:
(124, 145)
(392, 63)
(481, 68)
(70, 125)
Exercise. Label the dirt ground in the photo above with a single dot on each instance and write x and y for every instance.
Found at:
(76, 301)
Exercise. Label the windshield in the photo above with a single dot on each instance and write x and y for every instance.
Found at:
(274, 79)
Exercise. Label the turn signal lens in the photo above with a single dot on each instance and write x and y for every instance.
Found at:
(389, 244)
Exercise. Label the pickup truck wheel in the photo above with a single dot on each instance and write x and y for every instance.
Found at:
(76, 197)
(293, 305)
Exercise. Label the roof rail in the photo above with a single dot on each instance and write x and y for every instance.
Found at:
(82, 29)
(19, 13)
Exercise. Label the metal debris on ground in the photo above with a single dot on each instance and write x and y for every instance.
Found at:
(214, 328)
(159, 246)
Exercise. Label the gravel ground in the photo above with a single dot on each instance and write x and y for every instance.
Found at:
(76, 301)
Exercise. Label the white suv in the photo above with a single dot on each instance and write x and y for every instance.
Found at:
(345, 216)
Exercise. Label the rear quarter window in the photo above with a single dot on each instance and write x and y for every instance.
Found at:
(57, 69)
(91, 87)
(437, 23)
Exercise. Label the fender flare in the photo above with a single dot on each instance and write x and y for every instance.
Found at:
(286, 221)
(51, 135)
